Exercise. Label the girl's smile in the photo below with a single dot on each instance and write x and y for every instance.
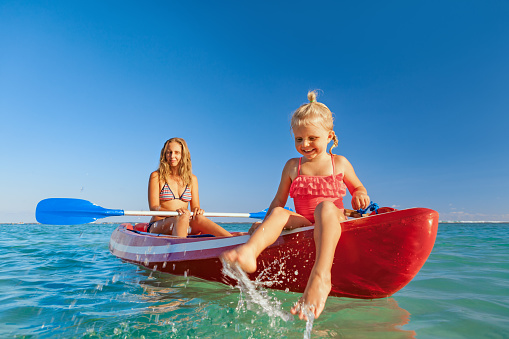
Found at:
(311, 141)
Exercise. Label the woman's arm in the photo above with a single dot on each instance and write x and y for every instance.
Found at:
(195, 200)
(153, 192)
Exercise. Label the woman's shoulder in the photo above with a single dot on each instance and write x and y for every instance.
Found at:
(153, 182)
(154, 175)
(194, 181)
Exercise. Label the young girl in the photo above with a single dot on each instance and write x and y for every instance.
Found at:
(316, 182)
(171, 188)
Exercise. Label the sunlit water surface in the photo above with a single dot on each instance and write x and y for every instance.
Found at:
(62, 282)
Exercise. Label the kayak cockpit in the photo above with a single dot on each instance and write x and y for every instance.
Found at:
(141, 228)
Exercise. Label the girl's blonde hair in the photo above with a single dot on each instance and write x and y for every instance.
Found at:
(314, 113)
(183, 167)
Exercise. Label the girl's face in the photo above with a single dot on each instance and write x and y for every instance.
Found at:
(173, 153)
(311, 141)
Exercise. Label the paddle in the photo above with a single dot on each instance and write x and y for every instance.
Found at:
(67, 211)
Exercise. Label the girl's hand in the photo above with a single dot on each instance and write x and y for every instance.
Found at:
(360, 199)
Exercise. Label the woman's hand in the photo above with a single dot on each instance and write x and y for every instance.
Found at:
(184, 211)
(197, 211)
(360, 199)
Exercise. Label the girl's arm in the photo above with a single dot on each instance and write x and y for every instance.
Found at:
(284, 186)
(153, 192)
(281, 194)
(360, 198)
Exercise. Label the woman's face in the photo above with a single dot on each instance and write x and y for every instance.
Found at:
(173, 153)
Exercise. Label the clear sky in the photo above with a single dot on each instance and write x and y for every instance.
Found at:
(90, 90)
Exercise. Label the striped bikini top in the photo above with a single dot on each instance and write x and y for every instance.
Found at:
(167, 194)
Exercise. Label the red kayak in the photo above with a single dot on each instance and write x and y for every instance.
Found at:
(376, 256)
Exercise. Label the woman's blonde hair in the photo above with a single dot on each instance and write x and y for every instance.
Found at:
(314, 113)
(183, 168)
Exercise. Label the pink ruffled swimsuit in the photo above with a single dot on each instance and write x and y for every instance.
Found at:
(308, 191)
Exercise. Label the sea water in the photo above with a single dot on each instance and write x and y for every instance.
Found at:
(62, 282)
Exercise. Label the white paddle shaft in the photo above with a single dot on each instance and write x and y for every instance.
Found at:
(174, 213)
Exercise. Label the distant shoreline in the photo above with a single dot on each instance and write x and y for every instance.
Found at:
(473, 222)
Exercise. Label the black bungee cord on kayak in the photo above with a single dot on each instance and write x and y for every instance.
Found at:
(372, 207)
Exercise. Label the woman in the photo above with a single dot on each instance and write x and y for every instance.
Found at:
(171, 188)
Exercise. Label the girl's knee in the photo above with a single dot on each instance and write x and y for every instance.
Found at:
(277, 211)
(328, 208)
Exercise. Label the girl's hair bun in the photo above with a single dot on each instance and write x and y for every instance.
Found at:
(312, 96)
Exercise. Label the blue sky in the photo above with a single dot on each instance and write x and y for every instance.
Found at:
(90, 90)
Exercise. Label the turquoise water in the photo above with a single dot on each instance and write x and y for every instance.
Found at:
(62, 282)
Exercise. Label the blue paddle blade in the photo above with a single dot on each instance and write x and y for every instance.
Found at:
(67, 211)
(258, 215)
(261, 214)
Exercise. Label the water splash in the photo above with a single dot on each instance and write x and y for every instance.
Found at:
(309, 322)
(253, 292)
(309, 315)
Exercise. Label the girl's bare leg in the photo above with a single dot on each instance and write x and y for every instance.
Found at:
(326, 235)
(201, 224)
(245, 255)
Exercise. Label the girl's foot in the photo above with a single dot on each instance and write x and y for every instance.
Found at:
(244, 256)
(314, 297)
